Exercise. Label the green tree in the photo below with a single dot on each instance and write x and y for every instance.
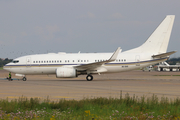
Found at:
(3, 62)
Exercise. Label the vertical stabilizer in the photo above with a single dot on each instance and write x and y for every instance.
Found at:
(158, 42)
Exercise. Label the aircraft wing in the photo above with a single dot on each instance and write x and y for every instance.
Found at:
(92, 66)
(163, 54)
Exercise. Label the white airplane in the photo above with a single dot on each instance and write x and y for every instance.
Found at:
(70, 65)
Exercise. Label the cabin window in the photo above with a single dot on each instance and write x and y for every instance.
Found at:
(34, 62)
(84, 60)
(73, 60)
(44, 61)
(57, 60)
(49, 61)
(68, 60)
(41, 61)
(78, 60)
(60, 61)
(124, 59)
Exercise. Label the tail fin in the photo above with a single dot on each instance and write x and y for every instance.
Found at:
(158, 42)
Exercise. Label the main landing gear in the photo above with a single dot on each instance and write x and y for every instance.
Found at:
(24, 79)
(89, 77)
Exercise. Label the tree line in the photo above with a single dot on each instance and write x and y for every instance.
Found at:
(173, 61)
(4, 61)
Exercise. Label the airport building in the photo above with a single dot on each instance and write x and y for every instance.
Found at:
(164, 66)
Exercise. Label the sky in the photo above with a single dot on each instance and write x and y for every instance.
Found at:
(52, 26)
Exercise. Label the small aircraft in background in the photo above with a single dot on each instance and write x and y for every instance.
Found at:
(70, 65)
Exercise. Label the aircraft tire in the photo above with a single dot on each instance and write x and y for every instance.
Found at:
(89, 78)
(24, 79)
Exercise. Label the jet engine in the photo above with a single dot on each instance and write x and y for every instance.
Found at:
(66, 72)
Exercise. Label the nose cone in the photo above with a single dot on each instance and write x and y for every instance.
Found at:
(6, 67)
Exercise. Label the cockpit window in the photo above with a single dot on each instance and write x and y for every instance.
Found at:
(15, 61)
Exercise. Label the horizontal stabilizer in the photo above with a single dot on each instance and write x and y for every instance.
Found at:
(163, 54)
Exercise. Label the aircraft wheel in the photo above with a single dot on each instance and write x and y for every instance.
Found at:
(24, 79)
(89, 78)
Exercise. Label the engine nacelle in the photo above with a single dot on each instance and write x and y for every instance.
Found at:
(20, 75)
(66, 72)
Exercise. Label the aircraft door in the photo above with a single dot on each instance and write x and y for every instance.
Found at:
(28, 62)
(137, 59)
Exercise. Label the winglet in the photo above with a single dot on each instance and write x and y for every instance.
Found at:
(115, 54)
(96, 65)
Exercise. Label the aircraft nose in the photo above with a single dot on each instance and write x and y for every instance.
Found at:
(5, 67)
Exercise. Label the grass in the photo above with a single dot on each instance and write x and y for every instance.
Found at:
(176, 75)
(162, 75)
(98, 108)
(1, 68)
